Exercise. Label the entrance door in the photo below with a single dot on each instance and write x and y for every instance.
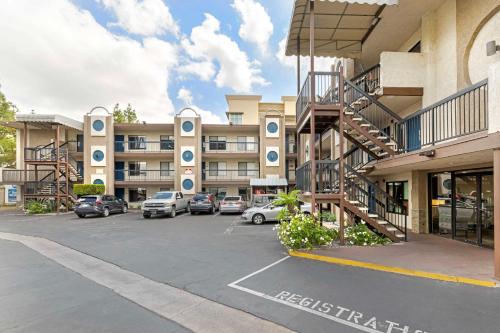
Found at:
(119, 171)
(486, 210)
(466, 211)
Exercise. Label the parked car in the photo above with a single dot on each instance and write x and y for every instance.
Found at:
(204, 202)
(233, 204)
(259, 200)
(269, 212)
(165, 203)
(99, 205)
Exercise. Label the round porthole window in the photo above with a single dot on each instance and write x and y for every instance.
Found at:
(187, 184)
(98, 155)
(187, 126)
(272, 127)
(98, 182)
(187, 156)
(272, 156)
(98, 125)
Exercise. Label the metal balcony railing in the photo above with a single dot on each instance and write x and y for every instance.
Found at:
(326, 86)
(126, 175)
(14, 176)
(144, 146)
(327, 176)
(230, 147)
(463, 113)
(229, 175)
(368, 80)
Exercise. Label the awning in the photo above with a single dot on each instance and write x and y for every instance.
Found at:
(45, 120)
(341, 26)
(268, 182)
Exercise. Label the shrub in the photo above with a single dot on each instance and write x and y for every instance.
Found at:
(302, 232)
(328, 217)
(38, 207)
(88, 189)
(359, 234)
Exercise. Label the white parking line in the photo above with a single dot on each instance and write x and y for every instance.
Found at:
(196, 313)
(339, 314)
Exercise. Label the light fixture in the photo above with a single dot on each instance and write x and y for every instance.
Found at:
(492, 48)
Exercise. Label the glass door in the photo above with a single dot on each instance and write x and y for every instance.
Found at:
(486, 210)
(466, 204)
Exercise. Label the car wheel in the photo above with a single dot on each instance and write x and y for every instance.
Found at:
(258, 219)
(124, 209)
(105, 212)
(173, 212)
(80, 215)
(146, 215)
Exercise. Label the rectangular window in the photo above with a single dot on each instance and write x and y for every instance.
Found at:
(136, 194)
(242, 143)
(399, 191)
(219, 192)
(167, 142)
(244, 192)
(235, 118)
(217, 142)
(217, 169)
(166, 169)
(242, 169)
(137, 168)
(136, 142)
(79, 143)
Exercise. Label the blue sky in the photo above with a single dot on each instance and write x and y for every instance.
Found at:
(107, 51)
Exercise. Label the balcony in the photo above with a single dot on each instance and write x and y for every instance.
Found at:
(241, 176)
(326, 101)
(141, 148)
(142, 177)
(17, 176)
(291, 147)
(225, 147)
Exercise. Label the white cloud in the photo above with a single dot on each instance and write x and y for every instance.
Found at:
(207, 45)
(321, 63)
(69, 70)
(205, 70)
(208, 117)
(185, 95)
(256, 26)
(142, 17)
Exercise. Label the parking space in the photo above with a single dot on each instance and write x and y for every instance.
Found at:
(223, 259)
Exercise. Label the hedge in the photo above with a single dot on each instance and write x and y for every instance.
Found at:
(88, 189)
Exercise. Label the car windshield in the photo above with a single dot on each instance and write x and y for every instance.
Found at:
(200, 197)
(87, 199)
(232, 198)
(163, 195)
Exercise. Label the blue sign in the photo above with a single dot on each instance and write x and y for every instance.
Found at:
(11, 194)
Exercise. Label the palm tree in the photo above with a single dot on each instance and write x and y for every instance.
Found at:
(290, 200)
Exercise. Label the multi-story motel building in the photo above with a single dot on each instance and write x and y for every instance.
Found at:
(416, 100)
(254, 153)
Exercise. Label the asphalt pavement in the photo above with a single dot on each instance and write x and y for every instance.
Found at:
(219, 258)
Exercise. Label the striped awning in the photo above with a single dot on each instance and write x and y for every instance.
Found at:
(341, 26)
(270, 181)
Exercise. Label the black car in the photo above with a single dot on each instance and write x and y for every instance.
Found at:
(100, 205)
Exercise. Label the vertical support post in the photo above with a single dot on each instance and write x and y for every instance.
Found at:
(58, 170)
(312, 139)
(496, 210)
(25, 144)
(341, 153)
(67, 179)
(298, 65)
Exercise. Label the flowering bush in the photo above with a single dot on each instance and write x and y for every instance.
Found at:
(38, 207)
(302, 232)
(359, 234)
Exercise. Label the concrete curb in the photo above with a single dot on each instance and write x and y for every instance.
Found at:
(393, 269)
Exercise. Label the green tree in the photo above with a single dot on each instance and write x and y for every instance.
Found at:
(128, 115)
(7, 134)
(289, 200)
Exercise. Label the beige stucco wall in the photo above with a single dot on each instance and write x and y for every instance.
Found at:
(402, 69)
(248, 105)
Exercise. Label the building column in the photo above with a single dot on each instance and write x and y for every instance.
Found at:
(418, 206)
(496, 210)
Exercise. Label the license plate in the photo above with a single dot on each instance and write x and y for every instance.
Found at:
(84, 205)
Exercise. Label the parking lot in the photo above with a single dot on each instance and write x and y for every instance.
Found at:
(223, 260)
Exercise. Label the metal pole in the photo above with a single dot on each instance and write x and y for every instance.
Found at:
(341, 153)
(298, 66)
(496, 210)
(67, 179)
(312, 139)
(58, 170)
